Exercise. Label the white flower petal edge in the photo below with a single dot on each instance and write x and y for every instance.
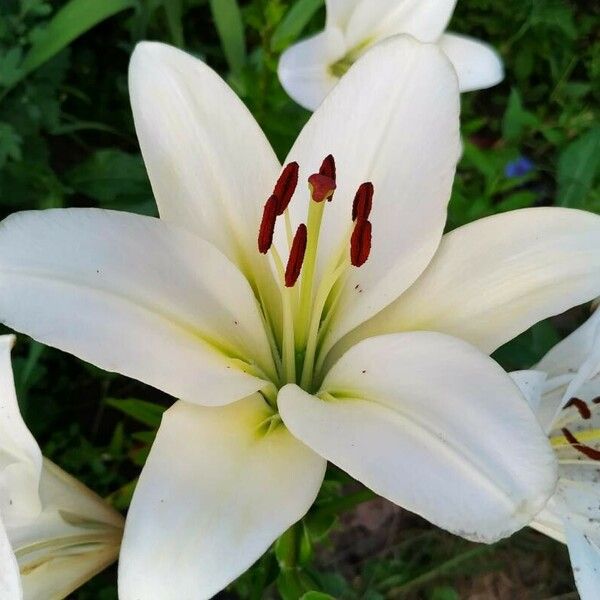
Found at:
(10, 584)
(477, 65)
(210, 165)
(20, 456)
(303, 68)
(405, 140)
(492, 279)
(422, 416)
(134, 295)
(220, 485)
(585, 558)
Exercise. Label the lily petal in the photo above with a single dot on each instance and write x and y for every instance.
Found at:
(304, 68)
(477, 64)
(210, 165)
(10, 580)
(493, 279)
(392, 120)
(378, 19)
(339, 11)
(220, 485)
(20, 456)
(433, 425)
(585, 558)
(134, 295)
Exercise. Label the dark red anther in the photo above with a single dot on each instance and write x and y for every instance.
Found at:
(360, 242)
(596, 400)
(294, 265)
(585, 450)
(321, 187)
(328, 167)
(267, 225)
(581, 406)
(286, 186)
(363, 201)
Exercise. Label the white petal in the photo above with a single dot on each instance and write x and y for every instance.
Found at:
(339, 11)
(304, 68)
(392, 120)
(570, 354)
(477, 65)
(544, 406)
(210, 165)
(20, 456)
(585, 559)
(433, 425)
(73, 516)
(377, 19)
(10, 580)
(217, 490)
(494, 278)
(550, 523)
(134, 295)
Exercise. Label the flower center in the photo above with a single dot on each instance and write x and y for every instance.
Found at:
(585, 442)
(307, 303)
(340, 67)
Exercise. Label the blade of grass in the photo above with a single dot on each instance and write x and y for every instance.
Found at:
(294, 22)
(228, 21)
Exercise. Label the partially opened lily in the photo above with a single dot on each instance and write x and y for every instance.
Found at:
(564, 391)
(241, 297)
(54, 532)
(310, 69)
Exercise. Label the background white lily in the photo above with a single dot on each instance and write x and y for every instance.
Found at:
(55, 533)
(311, 68)
(564, 391)
(188, 304)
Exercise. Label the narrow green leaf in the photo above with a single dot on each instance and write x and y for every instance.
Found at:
(294, 22)
(228, 21)
(578, 167)
(174, 12)
(145, 412)
(316, 596)
(71, 21)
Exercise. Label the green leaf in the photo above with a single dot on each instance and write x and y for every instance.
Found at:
(145, 412)
(294, 22)
(228, 21)
(316, 596)
(72, 20)
(174, 12)
(578, 168)
(10, 144)
(517, 118)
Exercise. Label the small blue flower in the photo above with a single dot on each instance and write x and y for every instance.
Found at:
(519, 167)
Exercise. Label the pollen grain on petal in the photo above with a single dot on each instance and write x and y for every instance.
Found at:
(286, 186)
(267, 225)
(583, 448)
(321, 187)
(363, 201)
(360, 242)
(294, 265)
(581, 406)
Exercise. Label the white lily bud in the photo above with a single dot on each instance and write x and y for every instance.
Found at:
(55, 533)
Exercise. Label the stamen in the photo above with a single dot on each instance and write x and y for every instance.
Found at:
(596, 400)
(581, 406)
(585, 450)
(321, 187)
(360, 243)
(286, 186)
(267, 225)
(294, 265)
(328, 169)
(363, 201)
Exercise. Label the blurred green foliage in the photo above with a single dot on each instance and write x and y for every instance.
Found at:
(67, 139)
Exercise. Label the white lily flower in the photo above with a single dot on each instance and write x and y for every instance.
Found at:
(564, 392)
(247, 341)
(310, 69)
(55, 533)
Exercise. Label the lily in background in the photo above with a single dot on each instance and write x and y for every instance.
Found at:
(55, 533)
(310, 69)
(564, 391)
(304, 315)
